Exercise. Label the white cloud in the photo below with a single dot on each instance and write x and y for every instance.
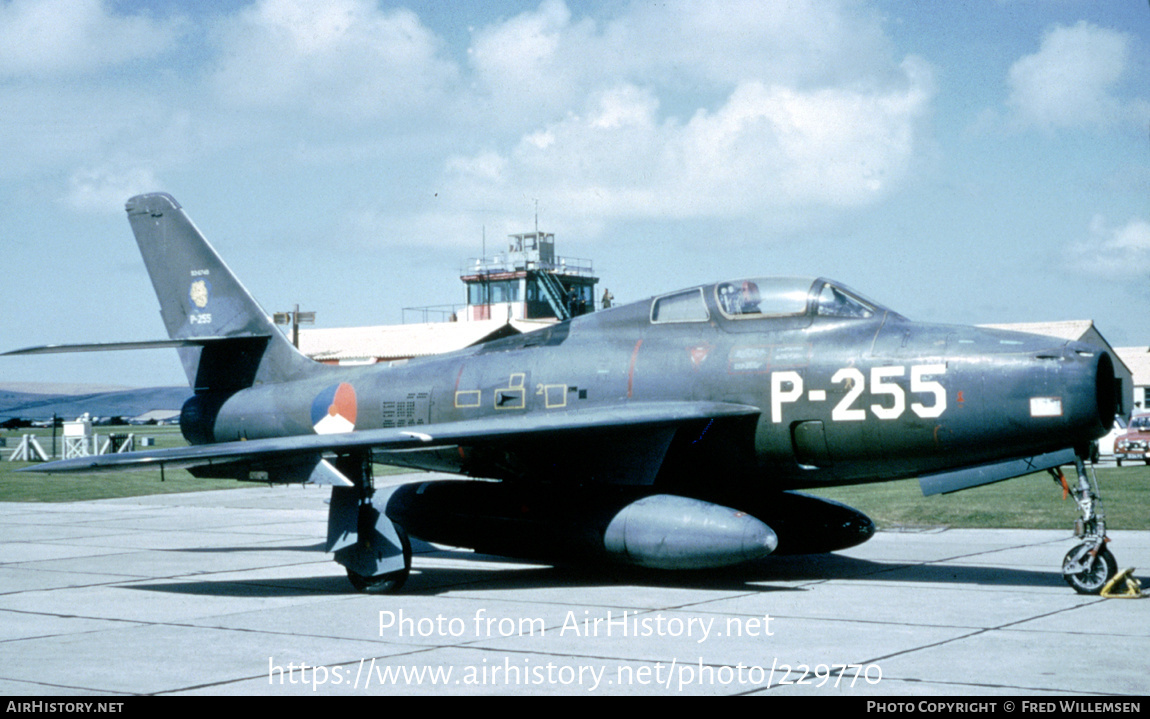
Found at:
(535, 65)
(696, 110)
(53, 128)
(105, 189)
(538, 65)
(40, 38)
(1120, 253)
(515, 55)
(1071, 80)
(487, 166)
(343, 59)
(767, 146)
(801, 43)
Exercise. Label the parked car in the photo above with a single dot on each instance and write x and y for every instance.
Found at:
(1104, 446)
(1134, 444)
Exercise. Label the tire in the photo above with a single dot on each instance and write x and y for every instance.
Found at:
(1093, 579)
(385, 583)
(381, 584)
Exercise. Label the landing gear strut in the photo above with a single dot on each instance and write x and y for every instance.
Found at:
(374, 550)
(1088, 566)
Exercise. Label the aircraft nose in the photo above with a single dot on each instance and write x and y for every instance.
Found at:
(1093, 388)
(1030, 393)
(1074, 389)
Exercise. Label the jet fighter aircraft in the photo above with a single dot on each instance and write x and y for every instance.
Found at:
(669, 433)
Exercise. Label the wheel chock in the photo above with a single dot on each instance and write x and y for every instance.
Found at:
(1133, 588)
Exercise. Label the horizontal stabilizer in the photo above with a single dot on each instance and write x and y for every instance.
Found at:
(959, 479)
(119, 346)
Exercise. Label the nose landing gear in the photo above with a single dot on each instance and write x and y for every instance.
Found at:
(1089, 565)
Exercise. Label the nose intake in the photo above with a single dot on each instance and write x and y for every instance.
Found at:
(1106, 392)
(1092, 390)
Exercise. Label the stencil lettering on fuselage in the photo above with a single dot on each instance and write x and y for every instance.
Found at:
(760, 359)
(413, 409)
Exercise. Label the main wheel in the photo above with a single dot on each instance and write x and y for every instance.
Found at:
(1095, 577)
(381, 584)
(385, 583)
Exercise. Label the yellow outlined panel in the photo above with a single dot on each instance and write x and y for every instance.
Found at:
(554, 395)
(513, 396)
(465, 398)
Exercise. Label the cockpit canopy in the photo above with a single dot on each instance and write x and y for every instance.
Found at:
(787, 296)
(766, 297)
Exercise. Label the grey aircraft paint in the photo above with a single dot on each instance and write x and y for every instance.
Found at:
(667, 433)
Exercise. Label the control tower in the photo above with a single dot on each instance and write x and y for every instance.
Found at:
(528, 282)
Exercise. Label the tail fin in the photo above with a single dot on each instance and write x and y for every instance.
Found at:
(201, 298)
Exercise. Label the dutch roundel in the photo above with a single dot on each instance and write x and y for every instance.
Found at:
(333, 411)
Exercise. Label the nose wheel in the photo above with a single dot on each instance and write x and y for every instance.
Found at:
(1088, 568)
(1090, 565)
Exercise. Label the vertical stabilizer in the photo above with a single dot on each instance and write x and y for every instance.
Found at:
(201, 298)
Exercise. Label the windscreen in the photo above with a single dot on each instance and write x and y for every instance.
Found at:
(837, 302)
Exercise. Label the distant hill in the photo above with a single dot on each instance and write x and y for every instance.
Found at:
(98, 402)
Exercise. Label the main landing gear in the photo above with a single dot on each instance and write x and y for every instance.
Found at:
(1090, 565)
(374, 550)
(384, 583)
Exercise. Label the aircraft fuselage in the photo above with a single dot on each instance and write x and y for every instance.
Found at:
(843, 399)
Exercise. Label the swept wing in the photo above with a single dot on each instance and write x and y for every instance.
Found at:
(652, 416)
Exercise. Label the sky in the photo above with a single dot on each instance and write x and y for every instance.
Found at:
(961, 162)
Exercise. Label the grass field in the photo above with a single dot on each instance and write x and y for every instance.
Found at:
(17, 487)
(23, 487)
(1031, 502)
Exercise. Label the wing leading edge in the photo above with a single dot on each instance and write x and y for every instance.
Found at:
(124, 346)
(632, 417)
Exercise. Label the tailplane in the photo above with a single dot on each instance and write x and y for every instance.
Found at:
(230, 342)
